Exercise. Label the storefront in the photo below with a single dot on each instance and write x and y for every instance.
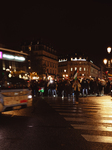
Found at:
(14, 63)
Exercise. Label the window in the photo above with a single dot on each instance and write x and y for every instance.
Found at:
(80, 69)
(64, 70)
(29, 48)
(84, 69)
(71, 69)
(75, 68)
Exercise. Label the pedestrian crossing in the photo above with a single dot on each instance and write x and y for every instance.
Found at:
(92, 117)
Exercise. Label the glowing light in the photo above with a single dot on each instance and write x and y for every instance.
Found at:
(78, 59)
(29, 96)
(19, 75)
(108, 49)
(105, 61)
(71, 69)
(10, 75)
(0, 55)
(7, 69)
(62, 60)
(11, 57)
(3, 68)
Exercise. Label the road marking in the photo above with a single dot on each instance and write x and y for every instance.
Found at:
(87, 120)
(91, 127)
(75, 119)
(94, 138)
(65, 110)
(71, 114)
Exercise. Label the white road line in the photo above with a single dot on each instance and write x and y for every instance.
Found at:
(75, 119)
(65, 110)
(87, 120)
(91, 127)
(71, 114)
(94, 138)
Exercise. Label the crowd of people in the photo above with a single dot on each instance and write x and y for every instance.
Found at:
(67, 88)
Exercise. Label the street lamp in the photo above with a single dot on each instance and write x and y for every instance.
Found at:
(105, 61)
(109, 49)
(108, 61)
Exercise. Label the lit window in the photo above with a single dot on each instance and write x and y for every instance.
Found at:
(71, 69)
(29, 48)
(80, 69)
(84, 69)
(75, 68)
(64, 70)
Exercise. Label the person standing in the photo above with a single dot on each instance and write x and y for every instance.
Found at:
(68, 89)
(84, 87)
(53, 87)
(77, 86)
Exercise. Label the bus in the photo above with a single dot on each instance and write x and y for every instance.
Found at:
(14, 94)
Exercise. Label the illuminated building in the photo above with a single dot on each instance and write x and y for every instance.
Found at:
(85, 67)
(14, 62)
(42, 52)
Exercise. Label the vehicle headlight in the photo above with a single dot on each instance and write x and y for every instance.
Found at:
(29, 96)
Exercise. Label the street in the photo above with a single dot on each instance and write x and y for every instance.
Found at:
(59, 124)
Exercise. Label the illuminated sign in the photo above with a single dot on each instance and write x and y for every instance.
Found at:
(12, 57)
(62, 60)
(0, 55)
(78, 59)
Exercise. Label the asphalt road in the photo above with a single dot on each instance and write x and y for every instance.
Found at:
(59, 124)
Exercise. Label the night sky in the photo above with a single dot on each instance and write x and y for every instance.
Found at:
(70, 26)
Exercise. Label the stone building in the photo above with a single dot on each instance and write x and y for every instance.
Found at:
(68, 64)
(43, 52)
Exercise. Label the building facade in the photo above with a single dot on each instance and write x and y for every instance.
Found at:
(85, 68)
(43, 52)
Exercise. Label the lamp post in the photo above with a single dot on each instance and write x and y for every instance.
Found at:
(108, 61)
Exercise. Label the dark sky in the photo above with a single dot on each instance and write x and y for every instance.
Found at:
(84, 25)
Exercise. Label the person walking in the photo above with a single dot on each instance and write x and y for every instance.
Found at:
(77, 86)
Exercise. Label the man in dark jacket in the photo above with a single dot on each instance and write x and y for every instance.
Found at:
(84, 87)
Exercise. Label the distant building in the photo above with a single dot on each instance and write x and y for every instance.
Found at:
(42, 52)
(14, 62)
(68, 64)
